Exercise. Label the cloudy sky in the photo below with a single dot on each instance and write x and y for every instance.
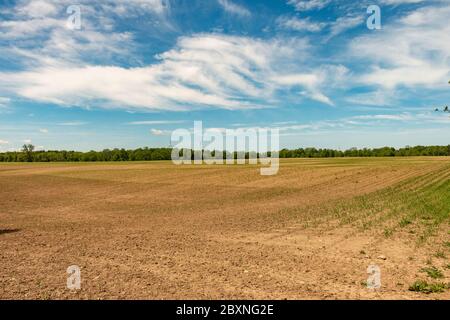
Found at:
(136, 70)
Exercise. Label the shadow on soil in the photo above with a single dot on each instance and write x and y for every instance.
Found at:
(5, 231)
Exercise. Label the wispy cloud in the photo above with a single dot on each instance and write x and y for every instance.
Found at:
(343, 24)
(154, 122)
(234, 8)
(297, 24)
(366, 121)
(4, 102)
(309, 81)
(72, 123)
(414, 51)
(206, 70)
(136, 7)
(45, 39)
(157, 132)
(373, 98)
(393, 117)
(37, 9)
(306, 5)
(397, 2)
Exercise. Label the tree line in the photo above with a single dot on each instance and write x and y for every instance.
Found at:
(28, 154)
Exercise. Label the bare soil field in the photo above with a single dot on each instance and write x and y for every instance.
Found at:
(159, 231)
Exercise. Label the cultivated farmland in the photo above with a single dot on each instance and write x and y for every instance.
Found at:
(158, 231)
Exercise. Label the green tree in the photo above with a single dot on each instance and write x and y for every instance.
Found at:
(28, 150)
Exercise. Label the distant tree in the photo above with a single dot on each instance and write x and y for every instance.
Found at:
(147, 154)
(156, 155)
(28, 150)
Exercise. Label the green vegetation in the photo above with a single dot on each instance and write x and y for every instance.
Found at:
(425, 287)
(149, 154)
(433, 272)
(27, 150)
(420, 203)
(404, 222)
(142, 154)
(378, 152)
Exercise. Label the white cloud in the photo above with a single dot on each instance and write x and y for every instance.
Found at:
(306, 5)
(153, 122)
(297, 24)
(156, 132)
(14, 29)
(397, 2)
(43, 130)
(206, 70)
(3, 141)
(319, 96)
(392, 117)
(372, 120)
(133, 8)
(423, 75)
(375, 98)
(310, 81)
(45, 39)
(27, 141)
(415, 51)
(343, 24)
(72, 123)
(234, 8)
(4, 102)
(38, 9)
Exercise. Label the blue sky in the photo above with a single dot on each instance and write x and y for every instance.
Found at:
(138, 69)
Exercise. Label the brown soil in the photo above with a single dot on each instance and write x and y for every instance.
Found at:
(159, 231)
